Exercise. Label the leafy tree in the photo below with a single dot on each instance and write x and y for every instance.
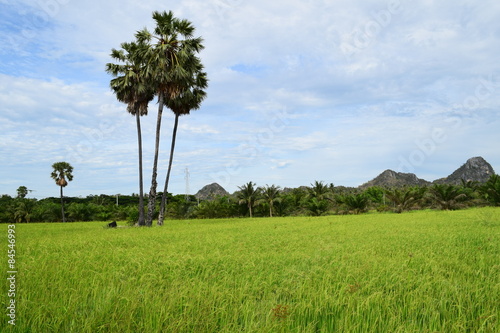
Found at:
(22, 192)
(248, 195)
(491, 190)
(169, 62)
(270, 195)
(62, 174)
(132, 87)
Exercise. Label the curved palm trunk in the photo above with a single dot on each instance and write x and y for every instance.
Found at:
(154, 184)
(62, 205)
(164, 196)
(250, 208)
(141, 221)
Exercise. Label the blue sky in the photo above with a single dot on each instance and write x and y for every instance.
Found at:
(335, 91)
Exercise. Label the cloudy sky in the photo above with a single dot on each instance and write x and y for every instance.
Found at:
(335, 91)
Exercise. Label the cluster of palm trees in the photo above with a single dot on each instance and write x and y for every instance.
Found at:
(161, 64)
(320, 198)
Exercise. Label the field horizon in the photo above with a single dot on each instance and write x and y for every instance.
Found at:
(422, 271)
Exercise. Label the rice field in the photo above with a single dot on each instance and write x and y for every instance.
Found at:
(424, 271)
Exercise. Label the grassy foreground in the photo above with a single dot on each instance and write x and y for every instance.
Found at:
(427, 271)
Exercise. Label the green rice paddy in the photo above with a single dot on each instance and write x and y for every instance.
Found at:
(425, 271)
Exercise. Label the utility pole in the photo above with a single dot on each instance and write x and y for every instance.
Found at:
(186, 177)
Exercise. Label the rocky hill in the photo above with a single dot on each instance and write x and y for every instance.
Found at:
(211, 191)
(390, 178)
(475, 169)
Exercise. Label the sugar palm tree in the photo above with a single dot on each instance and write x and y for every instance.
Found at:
(171, 45)
(62, 174)
(270, 195)
(248, 195)
(190, 98)
(131, 87)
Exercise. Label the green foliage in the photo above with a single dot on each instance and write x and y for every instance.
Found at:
(425, 271)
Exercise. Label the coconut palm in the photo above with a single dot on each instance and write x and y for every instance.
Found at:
(270, 195)
(62, 174)
(190, 97)
(132, 88)
(171, 46)
(248, 195)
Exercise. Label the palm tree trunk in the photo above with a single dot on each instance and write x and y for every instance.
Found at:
(154, 184)
(62, 205)
(141, 221)
(164, 196)
(271, 209)
(250, 208)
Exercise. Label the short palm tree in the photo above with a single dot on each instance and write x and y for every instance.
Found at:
(405, 198)
(270, 195)
(171, 46)
(447, 196)
(248, 195)
(132, 88)
(62, 173)
(190, 98)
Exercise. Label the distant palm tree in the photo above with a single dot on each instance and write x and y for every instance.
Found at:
(319, 190)
(62, 174)
(248, 195)
(491, 190)
(190, 97)
(167, 61)
(270, 195)
(131, 87)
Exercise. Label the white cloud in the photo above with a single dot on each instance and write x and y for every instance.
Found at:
(299, 91)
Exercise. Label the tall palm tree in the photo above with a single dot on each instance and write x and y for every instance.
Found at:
(171, 45)
(131, 87)
(270, 195)
(248, 195)
(62, 174)
(190, 98)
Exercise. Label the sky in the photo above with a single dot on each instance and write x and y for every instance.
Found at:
(299, 91)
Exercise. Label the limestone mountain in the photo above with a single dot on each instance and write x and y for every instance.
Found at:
(476, 169)
(211, 191)
(390, 178)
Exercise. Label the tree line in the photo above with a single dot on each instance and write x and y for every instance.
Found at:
(252, 201)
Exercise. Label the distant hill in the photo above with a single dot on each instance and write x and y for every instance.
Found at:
(390, 178)
(211, 191)
(475, 169)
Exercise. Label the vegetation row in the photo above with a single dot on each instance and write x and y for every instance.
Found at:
(315, 200)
